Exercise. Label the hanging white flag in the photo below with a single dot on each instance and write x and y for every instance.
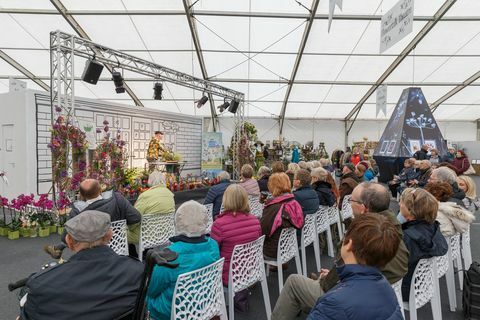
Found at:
(331, 10)
(382, 100)
(396, 24)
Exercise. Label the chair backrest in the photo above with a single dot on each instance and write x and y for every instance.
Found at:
(199, 294)
(309, 230)
(346, 208)
(209, 208)
(454, 245)
(333, 215)
(256, 208)
(119, 242)
(453, 253)
(156, 229)
(323, 219)
(246, 265)
(397, 287)
(422, 286)
(287, 245)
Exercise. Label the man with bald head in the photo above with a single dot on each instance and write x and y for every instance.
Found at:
(300, 293)
(92, 198)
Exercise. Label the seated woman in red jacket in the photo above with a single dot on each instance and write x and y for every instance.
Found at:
(235, 225)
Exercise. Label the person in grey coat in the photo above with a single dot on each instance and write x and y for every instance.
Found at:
(95, 283)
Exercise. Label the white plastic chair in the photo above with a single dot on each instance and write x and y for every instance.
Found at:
(397, 287)
(466, 256)
(323, 225)
(347, 211)
(209, 208)
(334, 218)
(422, 289)
(444, 267)
(286, 251)
(119, 241)
(309, 236)
(247, 268)
(256, 208)
(198, 294)
(155, 229)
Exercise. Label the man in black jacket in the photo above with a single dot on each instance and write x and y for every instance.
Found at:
(422, 153)
(109, 202)
(95, 283)
(304, 194)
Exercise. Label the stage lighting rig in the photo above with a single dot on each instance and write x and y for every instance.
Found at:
(118, 81)
(200, 102)
(157, 91)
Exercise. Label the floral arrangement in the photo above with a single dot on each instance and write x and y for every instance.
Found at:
(189, 182)
(66, 137)
(108, 164)
(245, 145)
(171, 156)
(135, 181)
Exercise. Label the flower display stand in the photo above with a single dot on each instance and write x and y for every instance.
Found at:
(12, 235)
(3, 231)
(24, 232)
(44, 232)
(53, 229)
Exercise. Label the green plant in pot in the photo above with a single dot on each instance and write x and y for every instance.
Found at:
(15, 224)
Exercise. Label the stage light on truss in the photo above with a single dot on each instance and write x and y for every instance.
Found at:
(157, 91)
(223, 106)
(118, 81)
(200, 102)
(234, 106)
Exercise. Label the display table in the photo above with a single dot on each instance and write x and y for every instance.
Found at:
(173, 167)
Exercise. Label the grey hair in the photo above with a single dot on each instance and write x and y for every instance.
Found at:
(374, 196)
(223, 175)
(316, 164)
(191, 219)
(156, 178)
(324, 162)
(263, 170)
(320, 173)
(445, 174)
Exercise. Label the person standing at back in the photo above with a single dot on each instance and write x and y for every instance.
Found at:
(422, 154)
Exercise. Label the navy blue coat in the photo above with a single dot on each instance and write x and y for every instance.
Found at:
(363, 293)
(423, 240)
(308, 199)
(215, 196)
(324, 193)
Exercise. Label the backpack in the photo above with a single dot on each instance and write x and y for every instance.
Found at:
(471, 292)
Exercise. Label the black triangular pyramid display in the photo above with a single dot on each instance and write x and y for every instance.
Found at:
(410, 126)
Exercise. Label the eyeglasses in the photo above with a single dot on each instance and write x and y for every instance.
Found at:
(352, 200)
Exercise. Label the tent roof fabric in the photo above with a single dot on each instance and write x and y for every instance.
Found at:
(253, 47)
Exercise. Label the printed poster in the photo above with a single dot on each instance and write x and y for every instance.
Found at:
(212, 151)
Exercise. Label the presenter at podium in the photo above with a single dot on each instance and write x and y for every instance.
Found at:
(156, 150)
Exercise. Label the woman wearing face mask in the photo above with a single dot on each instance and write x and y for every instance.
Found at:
(470, 201)
(461, 162)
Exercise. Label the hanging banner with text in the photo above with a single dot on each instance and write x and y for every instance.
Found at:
(382, 99)
(212, 151)
(396, 24)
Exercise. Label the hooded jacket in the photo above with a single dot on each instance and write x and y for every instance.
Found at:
(324, 193)
(453, 218)
(363, 293)
(423, 240)
(307, 198)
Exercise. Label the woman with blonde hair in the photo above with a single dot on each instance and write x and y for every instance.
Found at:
(470, 201)
(291, 170)
(421, 232)
(281, 211)
(235, 225)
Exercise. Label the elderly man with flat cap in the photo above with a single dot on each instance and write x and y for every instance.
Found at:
(95, 283)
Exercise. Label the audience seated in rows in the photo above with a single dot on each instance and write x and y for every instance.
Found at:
(322, 187)
(452, 217)
(304, 194)
(370, 243)
(157, 200)
(282, 211)
(421, 232)
(262, 175)
(95, 283)
(468, 186)
(235, 225)
(444, 174)
(300, 293)
(195, 250)
(250, 185)
(92, 198)
(348, 182)
(215, 193)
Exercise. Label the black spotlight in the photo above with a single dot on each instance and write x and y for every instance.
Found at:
(118, 81)
(223, 106)
(92, 71)
(157, 91)
(234, 106)
(201, 101)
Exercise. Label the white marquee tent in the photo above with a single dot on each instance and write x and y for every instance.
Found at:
(287, 64)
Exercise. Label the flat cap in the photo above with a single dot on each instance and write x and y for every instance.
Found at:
(88, 226)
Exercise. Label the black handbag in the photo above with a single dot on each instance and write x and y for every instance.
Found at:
(471, 292)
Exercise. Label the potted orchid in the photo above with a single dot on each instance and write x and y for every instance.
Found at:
(17, 212)
(63, 202)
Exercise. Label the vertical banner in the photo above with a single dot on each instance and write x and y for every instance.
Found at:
(382, 99)
(212, 151)
(396, 24)
(331, 10)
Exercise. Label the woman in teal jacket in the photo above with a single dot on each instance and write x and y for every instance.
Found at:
(195, 250)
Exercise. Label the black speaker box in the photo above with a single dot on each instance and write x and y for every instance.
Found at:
(92, 71)
(234, 106)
